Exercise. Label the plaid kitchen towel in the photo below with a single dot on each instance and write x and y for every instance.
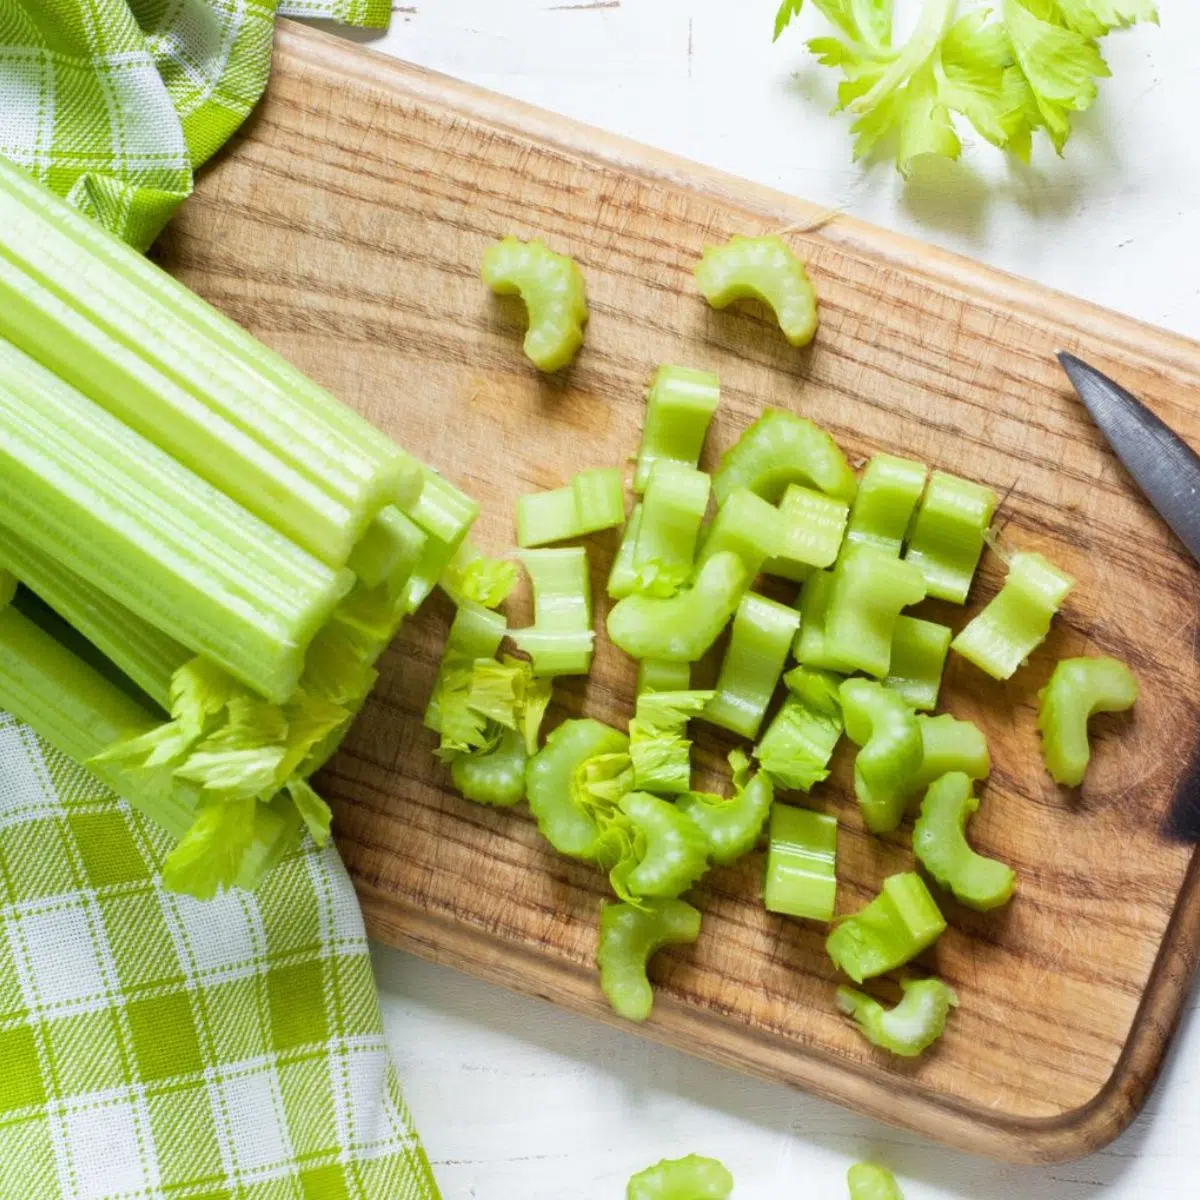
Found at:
(153, 1047)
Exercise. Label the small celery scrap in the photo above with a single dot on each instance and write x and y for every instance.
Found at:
(888, 494)
(801, 864)
(471, 576)
(919, 650)
(561, 639)
(912, 1026)
(629, 936)
(690, 1178)
(885, 727)
(766, 269)
(869, 1181)
(475, 633)
(679, 407)
(554, 293)
(948, 534)
(1078, 689)
(813, 528)
(622, 577)
(745, 525)
(796, 749)
(658, 746)
(1012, 71)
(593, 500)
(732, 825)
(669, 526)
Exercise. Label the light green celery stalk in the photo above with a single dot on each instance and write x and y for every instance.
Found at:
(629, 936)
(912, 1026)
(445, 515)
(886, 729)
(869, 1181)
(593, 500)
(798, 744)
(888, 494)
(679, 407)
(801, 878)
(919, 650)
(690, 1178)
(659, 749)
(671, 512)
(670, 850)
(813, 525)
(471, 575)
(1078, 689)
(732, 824)
(745, 525)
(561, 639)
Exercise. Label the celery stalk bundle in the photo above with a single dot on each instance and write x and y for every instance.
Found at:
(212, 551)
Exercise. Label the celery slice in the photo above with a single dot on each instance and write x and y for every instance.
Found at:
(912, 1026)
(801, 864)
(867, 1181)
(948, 534)
(948, 745)
(762, 636)
(745, 525)
(561, 639)
(629, 937)
(781, 448)
(471, 575)
(656, 675)
(885, 727)
(813, 526)
(475, 633)
(796, 749)
(893, 929)
(593, 500)
(445, 515)
(919, 650)
(887, 498)
(1078, 689)
(622, 578)
(691, 1178)
(1015, 622)
(658, 748)
(496, 778)
(679, 407)
(673, 849)
(732, 825)
(672, 511)
(766, 269)
(811, 647)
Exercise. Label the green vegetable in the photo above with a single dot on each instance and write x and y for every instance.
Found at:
(592, 501)
(391, 548)
(796, 749)
(1017, 619)
(561, 638)
(495, 778)
(691, 1178)
(919, 650)
(655, 675)
(888, 494)
(766, 269)
(885, 727)
(629, 937)
(949, 745)
(475, 633)
(870, 1182)
(671, 850)
(672, 510)
(868, 590)
(940, 844)
(554, 292)
(731, 825)
(801, 864)
(894, 928)
(679, 407)
(813, 526)
(445, 515)
(948, 534)
(658, 749)
(472, 576)
(811, 647)
(745, 525)
(912, 1026)
(781, 448)
(680, 628)
(1079, 688)
(758, 648)
(507, 693)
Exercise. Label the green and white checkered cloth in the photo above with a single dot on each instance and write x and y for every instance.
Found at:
(153, 1047)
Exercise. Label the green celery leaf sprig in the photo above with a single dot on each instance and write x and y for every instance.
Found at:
(1026, 66)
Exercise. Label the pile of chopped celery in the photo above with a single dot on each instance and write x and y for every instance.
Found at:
(853, 655)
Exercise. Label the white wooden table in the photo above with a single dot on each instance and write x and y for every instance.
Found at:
(518, 1101)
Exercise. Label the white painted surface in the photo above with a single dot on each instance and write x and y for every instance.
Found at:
(518, 1101)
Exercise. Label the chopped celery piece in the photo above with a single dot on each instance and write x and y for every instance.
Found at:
(1079, 688)
(660, 753)
(8, 587)
(811, 646)
(782, 448)
(940, 844)
(476, 633)
(1017, 619)
(680, 628)
(495, 778)
(672, 851)
(445, 515)
(867, 1181)
(919, 650)
(912, 1026)
(893, 929)
(672, 510)
(766, 269)
(947, 745)
(813, 526)
(507, 693)
(131, 521)
(885, 727)
(554, 784)
(869, 589)
(555, 296)
(796, 749)
(392, 546)
(560, 642)
(745, 525)
(888, 494)
(679, 407)
(593, 500)
(629, 937)
(691, 1178)
(801, 864)
(758, 648)
(622, 578)
(656, 675)
(948, 534)
(731, 825)
(472, 576)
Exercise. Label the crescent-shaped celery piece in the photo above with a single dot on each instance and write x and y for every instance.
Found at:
(593, 500)
(732, 825)
(885, 727)
(674, 850)
(761, 268)
(555, 296)
(868, 1181)
(1078, 689)
(893, 929)
(679, 407)
(745, 525)
(940, 844)
(796, 749)
(561, 639)
(919, 650)
(552, 784)
(1017, 619)
(680, 628)
(496, 778)
(691, 1178)
(655, 675)
(949, 745)
(801, 876)
(672, 511)
(888, 494)
(779, 449)
(909, 1028)
(813, 528)
(629, 937)
(948, 534)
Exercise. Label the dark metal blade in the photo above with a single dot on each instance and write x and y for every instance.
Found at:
(1165, 467)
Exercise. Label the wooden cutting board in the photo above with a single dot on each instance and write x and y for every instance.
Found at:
(346, 227)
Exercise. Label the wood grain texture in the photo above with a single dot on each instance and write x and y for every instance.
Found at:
(345, 228)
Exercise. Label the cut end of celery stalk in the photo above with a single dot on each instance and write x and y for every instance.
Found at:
(679, 408)
(801, 876)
